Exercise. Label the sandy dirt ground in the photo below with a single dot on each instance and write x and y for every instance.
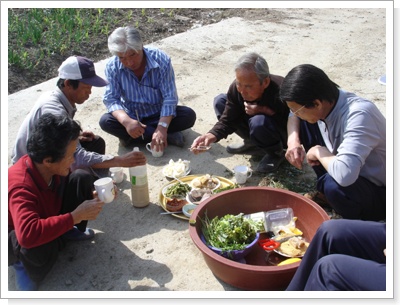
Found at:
(140, 253)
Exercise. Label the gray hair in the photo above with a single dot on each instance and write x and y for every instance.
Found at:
(124, 39)
(253, 62)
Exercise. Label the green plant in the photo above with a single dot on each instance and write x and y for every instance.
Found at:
(51, 31)
(230, 232)
(171, 13)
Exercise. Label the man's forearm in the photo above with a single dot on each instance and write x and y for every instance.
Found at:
(293, 129)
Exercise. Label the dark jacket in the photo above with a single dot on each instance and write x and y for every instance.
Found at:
(234, 113)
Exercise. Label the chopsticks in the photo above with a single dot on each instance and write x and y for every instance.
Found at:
(137, 117)
(168, 213)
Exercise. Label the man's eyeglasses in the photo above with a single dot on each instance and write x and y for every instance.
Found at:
(295, 112)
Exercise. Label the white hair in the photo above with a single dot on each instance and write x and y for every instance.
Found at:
(123, 39)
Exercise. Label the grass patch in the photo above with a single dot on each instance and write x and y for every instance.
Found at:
(285, 177)
(290, 178)
(35, 33)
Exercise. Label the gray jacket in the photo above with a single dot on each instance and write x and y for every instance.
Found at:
(54, 102)
(357, 131)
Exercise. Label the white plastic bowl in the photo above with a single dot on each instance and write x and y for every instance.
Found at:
(188, 209)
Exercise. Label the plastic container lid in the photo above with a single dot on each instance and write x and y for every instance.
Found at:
(278, 218)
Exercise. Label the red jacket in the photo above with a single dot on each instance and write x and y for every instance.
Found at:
(34, 207)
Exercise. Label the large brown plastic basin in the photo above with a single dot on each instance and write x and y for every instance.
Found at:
(255, 274)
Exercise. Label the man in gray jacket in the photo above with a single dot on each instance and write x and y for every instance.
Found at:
(77, 75)
(343, 137)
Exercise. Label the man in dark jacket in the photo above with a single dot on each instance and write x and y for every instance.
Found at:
(252, 109)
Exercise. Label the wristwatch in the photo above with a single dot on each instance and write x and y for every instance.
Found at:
(163, 124)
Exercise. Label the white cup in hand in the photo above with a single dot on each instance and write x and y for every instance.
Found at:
(105, 189)
(242, 173)
(117, 174)
(155, 153)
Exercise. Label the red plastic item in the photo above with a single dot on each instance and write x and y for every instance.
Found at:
(269, 244)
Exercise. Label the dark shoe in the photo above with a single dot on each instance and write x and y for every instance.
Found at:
(318, 198)
(240, 148)
(176, 138)
(22, 279)
(270, 163)
(76, 235)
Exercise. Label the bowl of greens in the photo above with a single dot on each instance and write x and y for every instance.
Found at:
(176, 190)
(231, 236)
(256, 273)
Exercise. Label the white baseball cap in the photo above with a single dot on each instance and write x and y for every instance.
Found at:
(82, 69)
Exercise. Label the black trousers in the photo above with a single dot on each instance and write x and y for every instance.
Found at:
(96, 145)
(184, 119)
(38, 261)
(361, 200)
(260, 129)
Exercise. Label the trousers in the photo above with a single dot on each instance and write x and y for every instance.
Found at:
(38, 261)
(361, 200)
(260, 129)
(97, 145)
(184, 119)
(344, 255)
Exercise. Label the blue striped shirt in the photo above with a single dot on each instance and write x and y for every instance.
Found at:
(154, 94)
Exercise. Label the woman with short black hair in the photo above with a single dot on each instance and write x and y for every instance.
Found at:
(47, 204)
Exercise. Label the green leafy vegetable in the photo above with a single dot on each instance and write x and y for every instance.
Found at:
(178, 189)
(229, 187)
(230, 232)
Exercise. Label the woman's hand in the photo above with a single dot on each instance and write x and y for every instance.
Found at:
(87, 210)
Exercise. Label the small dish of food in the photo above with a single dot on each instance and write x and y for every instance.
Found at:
(176, 169)
(196, 196)
(175, 204)
(206, 182)
(293, 247)
(176, 190)
(188, 209)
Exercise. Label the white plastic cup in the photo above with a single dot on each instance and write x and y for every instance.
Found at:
(117, 174)
(105, 189)
(156, 154)
(242, 173)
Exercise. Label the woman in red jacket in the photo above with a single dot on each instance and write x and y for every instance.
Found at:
(47, 205)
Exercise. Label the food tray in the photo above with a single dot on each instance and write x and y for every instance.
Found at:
(162, 201)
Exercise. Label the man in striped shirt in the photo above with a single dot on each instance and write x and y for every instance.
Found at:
(141, 97)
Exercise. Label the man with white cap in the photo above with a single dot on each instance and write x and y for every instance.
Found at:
(77, 75)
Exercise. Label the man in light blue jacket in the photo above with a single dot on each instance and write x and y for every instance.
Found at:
(141, 97)
(343, 138)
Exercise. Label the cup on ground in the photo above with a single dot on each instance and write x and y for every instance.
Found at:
(105, 189)
(155, 153)
(117, 174)
(242, 173)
